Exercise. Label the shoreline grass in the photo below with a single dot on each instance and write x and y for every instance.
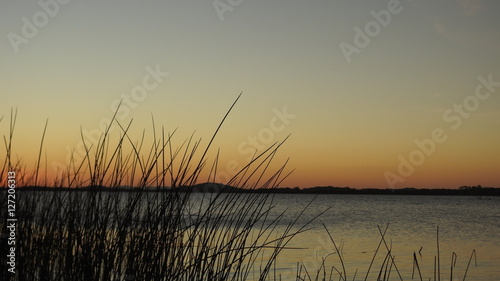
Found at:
(95, 235)
(145, 236)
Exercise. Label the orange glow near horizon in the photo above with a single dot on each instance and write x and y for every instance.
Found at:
(356, 170)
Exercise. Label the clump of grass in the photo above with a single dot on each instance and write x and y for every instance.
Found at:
(87, 232)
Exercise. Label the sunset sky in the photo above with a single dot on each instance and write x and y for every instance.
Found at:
(374, 93)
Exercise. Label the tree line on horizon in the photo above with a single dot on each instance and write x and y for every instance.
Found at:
(477, 190)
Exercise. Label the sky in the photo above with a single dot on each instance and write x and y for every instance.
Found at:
(385, 94)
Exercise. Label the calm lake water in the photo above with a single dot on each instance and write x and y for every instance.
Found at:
(465, 224)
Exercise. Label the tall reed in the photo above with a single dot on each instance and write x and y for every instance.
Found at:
(92, 232)
(151, 232)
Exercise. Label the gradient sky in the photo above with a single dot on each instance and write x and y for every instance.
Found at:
(352, 122)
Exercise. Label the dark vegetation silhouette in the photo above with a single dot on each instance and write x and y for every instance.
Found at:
(192, 232)
(223, 188)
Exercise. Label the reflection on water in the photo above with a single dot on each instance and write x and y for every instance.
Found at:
(465, 223)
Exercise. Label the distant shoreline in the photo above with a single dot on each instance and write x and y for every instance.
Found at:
(216, 188)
